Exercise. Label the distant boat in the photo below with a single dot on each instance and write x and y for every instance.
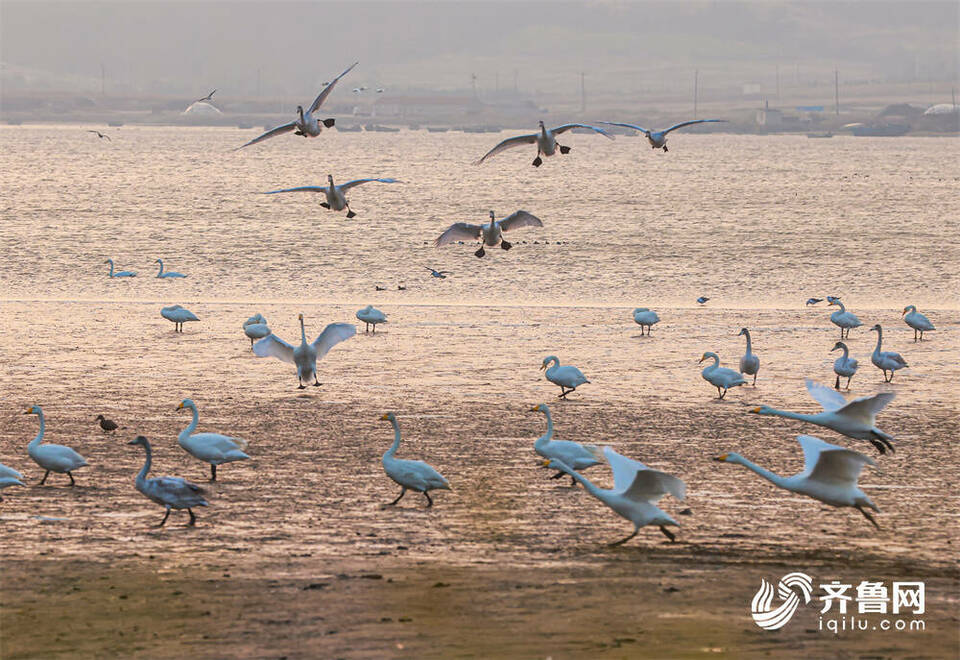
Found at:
(376, 128)
(820, 135)
(437, 129)
(413, 127)
(115, 124)
(356, 128)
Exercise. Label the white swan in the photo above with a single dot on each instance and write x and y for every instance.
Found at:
(749, 363)
(178, 315)
(574, 454)
(305, 124)
(854, 419)
(305, 355)
(658, 139)
(52, 458)
(168, 492)
(415, 475)
(256, 327)
(720, 377)
(371, 316)
(843, 365)
(644, 317)
(886, 360)
(636, 490)
(336, 195)
(9, 477)
(830, 475)
(568, 378)
(842, 318)
(120, 273)
(211, 448)
(545, 139)
(170, 274)
(917, 321)
(489, 234)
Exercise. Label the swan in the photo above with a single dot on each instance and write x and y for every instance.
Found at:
(256, 327)
(854, 419)
(917, 321)
(886, 360)
(170, 274)
(168, 492)
(842, 318)
(120, 273)
(305, 124)
(814, 301)
(178, 315)
(106, 424)
(305, 355)
(336, 197)
(843, 365)
(545, 140)
(52, 458)
(720, 377)
(371, 316)
(702, 300)
(491, 234)
(636, 490)
(9, 477)
(749, 363)
(211, 448)
(415, 475)
(644, 317)
(439, 274)
(573, 454)
(830, 475)
(658, 139)
(568, 378)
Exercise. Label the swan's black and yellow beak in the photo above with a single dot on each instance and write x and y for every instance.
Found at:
(545, 463)
(721, 458)
(754, 410)
(180, 406)
(384, 417)
(536, 408)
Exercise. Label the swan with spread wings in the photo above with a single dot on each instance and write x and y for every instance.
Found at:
(545, 139)
(305, 355)
(489, 234)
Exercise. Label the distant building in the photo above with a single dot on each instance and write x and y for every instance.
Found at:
(769, 118)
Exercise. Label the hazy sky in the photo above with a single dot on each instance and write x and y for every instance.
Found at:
(189, 47)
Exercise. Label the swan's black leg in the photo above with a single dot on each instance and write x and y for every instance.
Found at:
(429, 501)
(573, 482)
(848, 383)
(666, 532)
(479, 253)
(837, 384)
(316, 383)
(164, 521)
(558, 475)
(44, 480)
(622, 541)
(868, 516)
(665, 149)
(537, 162)
(213, 472)
(324, 205)
(505, 245)
(350, 213)
(193, 518)
(754, 380)
(564, 150)
(400, 496)
(72, 482)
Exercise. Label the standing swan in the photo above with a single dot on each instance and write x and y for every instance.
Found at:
(169, 492)
(843, 365)
(9, 477)
(52, 458)
(568, 378)
(842, 318)
(371, 316)
(830, 475)
(170, 274)
(644, 317)
(573, 454)
(256, 327)
(854, 419)
(720, 377)
(120, 273)
(749, 363)
(415, 475)
(305, 355)
(886, 360)
(636, 490)
(211, 448)
(178, 316)
(917, 321)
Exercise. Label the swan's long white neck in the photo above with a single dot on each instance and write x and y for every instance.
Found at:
(110, 261)
(142, 476)
(554, 360)
(193, 424)
(160, 261)
(396, 439)
(588, 485)
(792, 415)
(545, 438)
(846, 351)
(763, 472)
(303, 332)
(746, 333)
(879, 340)
(840, 305)
(35, 443)
(716, 358)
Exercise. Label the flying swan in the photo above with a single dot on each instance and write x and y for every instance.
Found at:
(336, 197)
(489, 234)
(545, 140)
(658, 139)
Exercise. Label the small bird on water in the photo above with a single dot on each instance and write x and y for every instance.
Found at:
(106, 424)
(702, 300)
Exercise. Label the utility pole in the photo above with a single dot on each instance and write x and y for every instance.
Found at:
(583, 94)
(103, 80)
(778, 82)
(836, 89)
(696, 90)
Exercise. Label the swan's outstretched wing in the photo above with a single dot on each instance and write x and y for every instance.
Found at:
(317, 189)
(356, 182)
(509, 143)
(830, 399)
(633, 126)
(519, 219)
(460, 231)
(277, 130)
(830, 463)
(687, 123)
(332, 335)
(322, 96)
(273, 346)
(567, 127)
(864, 409)
(651, 485)
(624, 469)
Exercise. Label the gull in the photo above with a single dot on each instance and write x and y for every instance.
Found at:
(100, 135)
(545, 140)
(207, 99)
(441, 274)
(306, 124)
(490, 234)
(336, 197)
(658, 139)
